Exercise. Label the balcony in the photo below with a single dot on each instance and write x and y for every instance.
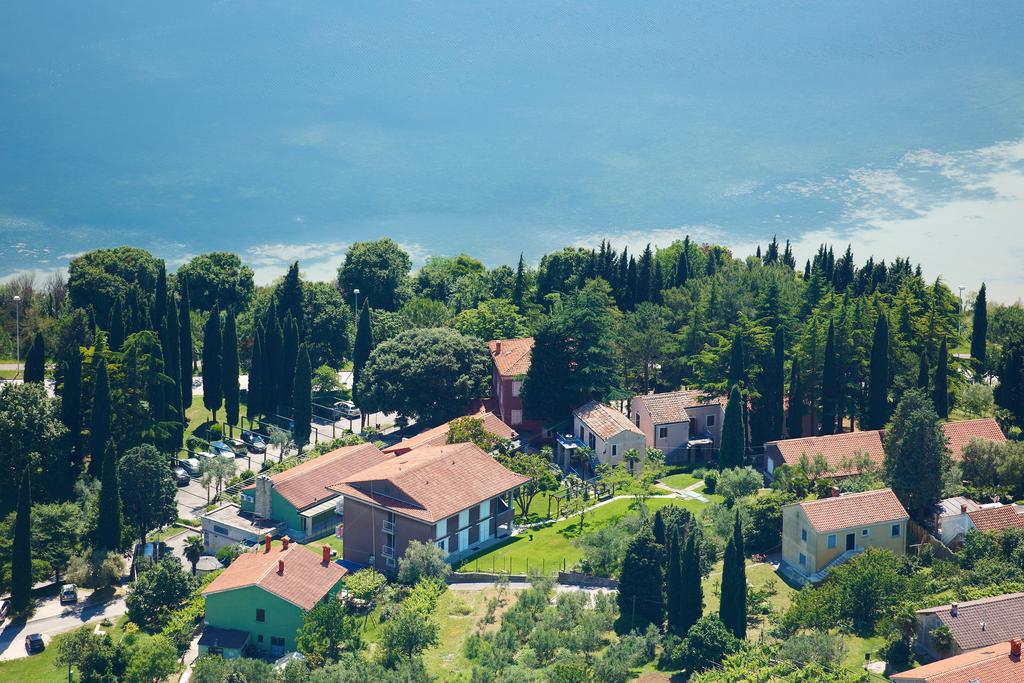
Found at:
(388, 527)
(387, 551)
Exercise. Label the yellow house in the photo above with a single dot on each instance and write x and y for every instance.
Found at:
(819, 534)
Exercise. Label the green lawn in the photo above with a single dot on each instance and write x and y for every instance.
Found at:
(680, 480)
(331, 540)
(42, 668)
(551, 547)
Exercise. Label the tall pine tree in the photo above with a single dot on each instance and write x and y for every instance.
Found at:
(915, 454)
(737, 366)
(213, 393)
(733, 607)
(979, 332)
(675, 591)
(160, 297)
(254, 396)
(99, 426)
(185, 348)
(116, 325)
(273, 346)
(795, 414)
(693, 592)
(35, 361)
(288, 360)
(878, 376)
(923, 381)
(519, 288)
(776, 398)
(109, 523)
(172, 364)
(21, 547)
(829, 384)
(289, 297)
(71, 399)
(230, 365)
(733, 449)
(302, 398)
(940, 388)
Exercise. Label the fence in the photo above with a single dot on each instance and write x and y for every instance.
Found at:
(508, 565)
(918, 537)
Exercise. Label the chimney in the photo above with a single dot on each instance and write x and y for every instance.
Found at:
(280, 567)
(497, 348)
(963, 508)
(327, 554)
(266, 543)
(1015, 648)
(954, 609)
(284, 542)
(835, 492)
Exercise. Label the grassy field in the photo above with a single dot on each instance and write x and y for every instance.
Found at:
(331, 540)
(680, 480)
(550, 547)
(42, 668)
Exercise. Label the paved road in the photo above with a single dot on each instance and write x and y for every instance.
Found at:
(51, 618)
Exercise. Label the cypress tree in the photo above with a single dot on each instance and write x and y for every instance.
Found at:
(645, 275)
(21, 547)
(733, 449)
(878, 382)
(230, 363)
(693, 592)
(302, 397)
(641, 583)
(658, 282)
(940, 390)
(108, 531)
(99, 426)
(922, 372)
(254, 396)
(979, 331)
(132, 316)
(116, 325)
(363, 347)
(185, 348)
(289, 297)
(795, 414)
(829, 384)
(213, 394)
(71, 400)
(272, 349)
(776, 400)
(288, 361)
(733, 608)
(658, 528)
(172, 368)
(519, 288)
(737, 368)
(35, 360)
(682, 268)
(675, 593)
(160, 297)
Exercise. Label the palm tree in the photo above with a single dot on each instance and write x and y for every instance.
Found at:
(193, 551)
(632, 457)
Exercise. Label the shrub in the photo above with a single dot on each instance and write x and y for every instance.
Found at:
(421, 561)
(95, 569)
(710, 481)
(738, 482)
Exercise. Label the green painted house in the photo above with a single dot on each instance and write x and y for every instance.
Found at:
(298, 499)
(256, 604)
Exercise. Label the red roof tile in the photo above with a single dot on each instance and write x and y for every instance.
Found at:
(991, 664)
(438, 436)
(432, 483)
(994, 519)
(604, 420)
(305, 581)
(854, 510)
(511, 356)
(306, 484)
(961, 432)
(670, 407)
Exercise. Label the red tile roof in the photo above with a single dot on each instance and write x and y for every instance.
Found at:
(994, 519)
(438, 436)
(433, 482)
(991, 664)
(670, 407)
(1002, 615)
(305, 581)
(854, 510)
(511, 356)
(306, 484)
(837, 447)
(604, 420)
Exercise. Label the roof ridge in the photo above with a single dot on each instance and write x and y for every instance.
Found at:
(847, 496)
(974, 603)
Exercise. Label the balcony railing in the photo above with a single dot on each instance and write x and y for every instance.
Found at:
(387, 551)
(389, 527)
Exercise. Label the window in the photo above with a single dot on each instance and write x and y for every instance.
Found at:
(832, 540)
(516, 388)
(803, 535)
(261, 615)
(259, 638)
(615, 450)
(581, 432)
(895, 530)
(274, 640)
(218, 529)
(662, 432)
(517, 416)
(864, 532)
(803, 560)
(711, 420)
(592, 442)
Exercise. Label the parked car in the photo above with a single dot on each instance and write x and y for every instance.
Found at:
(254, 441)
(237, 446)
(68, 594)
(221, 449)
(190, 465)
(34, 643)
(5, 607)
(347, 410)
(181, 477)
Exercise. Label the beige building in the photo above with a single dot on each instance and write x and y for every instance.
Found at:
(685, 425)
(820, 534)
(606, 432)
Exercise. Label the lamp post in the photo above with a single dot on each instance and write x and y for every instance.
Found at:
(355, 293)
(17, 331)
(960, 316)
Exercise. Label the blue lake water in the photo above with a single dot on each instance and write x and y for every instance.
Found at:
(490, 127)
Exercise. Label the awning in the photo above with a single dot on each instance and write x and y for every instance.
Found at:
(699, 442)
(320, 508)
(569, 442)
(225, 638)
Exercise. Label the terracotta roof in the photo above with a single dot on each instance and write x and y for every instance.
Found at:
(604, 420)
(992, 664)
(511, 356)
(671, 406)
(854, 510)
(306, 484)
(438, 436)
(433, 482)
(1002, 615)
(836, 447)
(961, 432)
(993, 519)
(305, 581)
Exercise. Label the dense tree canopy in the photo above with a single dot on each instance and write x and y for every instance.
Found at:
(98, 278)
(378, 270)
(219, 278)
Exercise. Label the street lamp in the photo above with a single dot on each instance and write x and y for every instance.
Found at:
(960, 317)
(17, 331)
(356, 293)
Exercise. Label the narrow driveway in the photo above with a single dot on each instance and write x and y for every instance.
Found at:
(52, 618)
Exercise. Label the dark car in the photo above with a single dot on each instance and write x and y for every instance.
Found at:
(238, 446)
(181, 477)
(254, 442)
(34, 643)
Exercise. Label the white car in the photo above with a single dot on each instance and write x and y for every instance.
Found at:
(190, 465)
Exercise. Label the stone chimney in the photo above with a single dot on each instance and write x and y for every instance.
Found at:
(263, 488)
(1015, 648)
(834, 492)
(280, 567)
(266, 543)
(963, 508)
(954, 609)
(497, 348)
(284, 542)
(326, 550)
